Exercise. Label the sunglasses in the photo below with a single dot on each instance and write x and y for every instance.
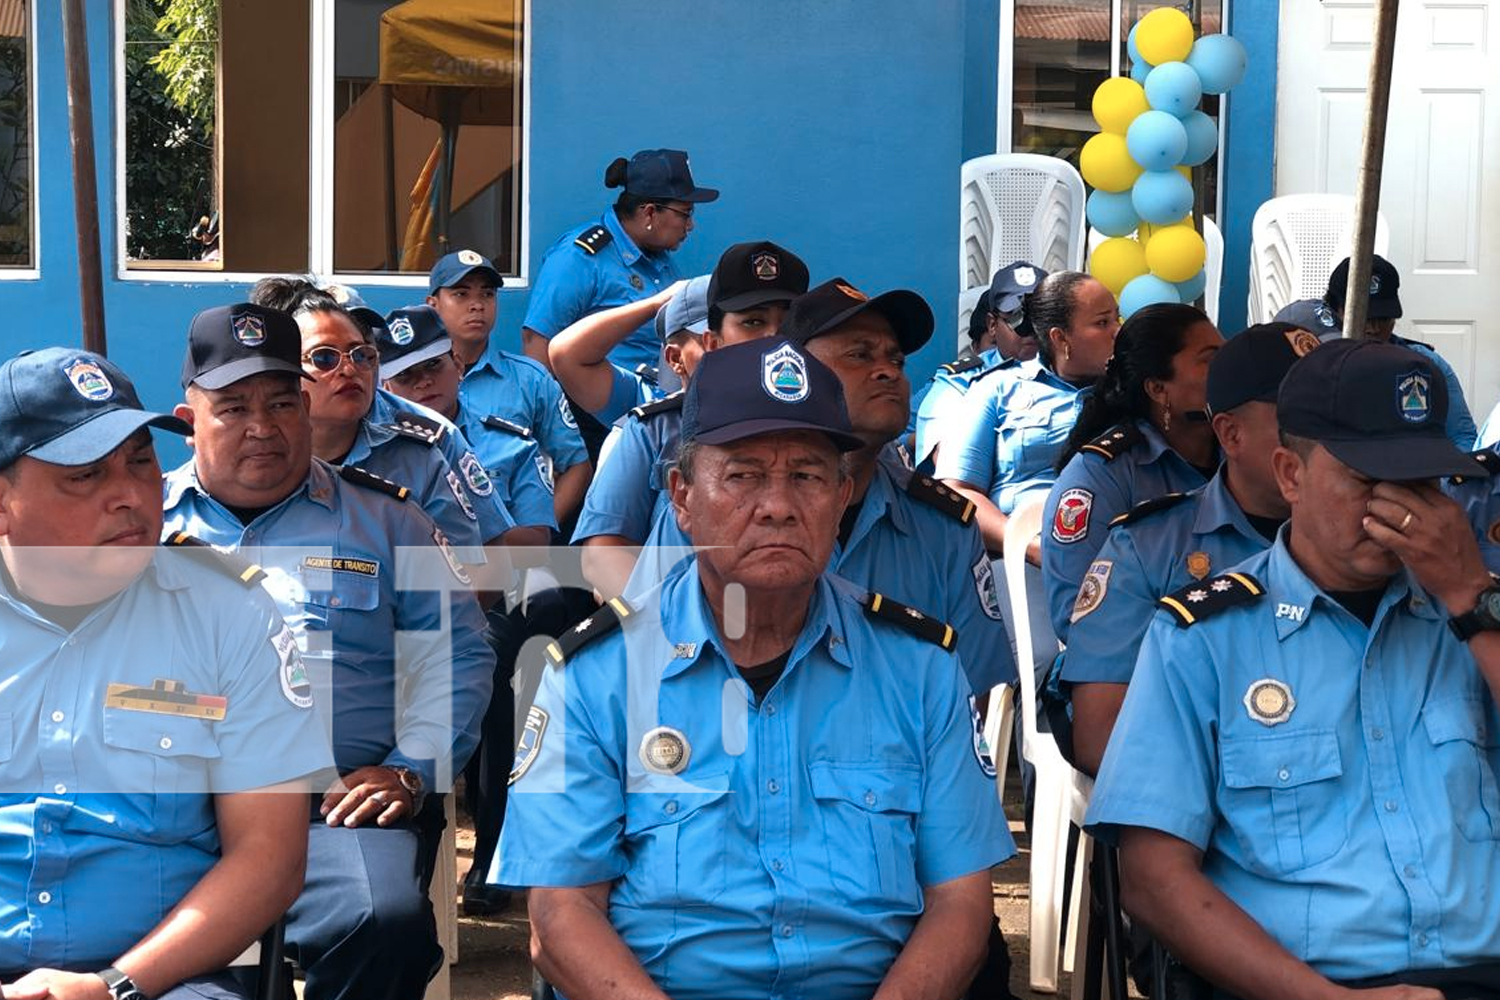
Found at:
(417, 372)
(328, 359)
(686, 215)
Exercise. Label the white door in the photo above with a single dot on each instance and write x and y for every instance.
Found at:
(1441, 185)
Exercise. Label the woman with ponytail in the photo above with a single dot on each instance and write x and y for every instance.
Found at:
(1142, 433)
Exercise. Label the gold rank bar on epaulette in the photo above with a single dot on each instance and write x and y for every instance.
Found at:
(964, 365)
(364, 477)
(938, 633)
(592, 240)
(600, 623)
(668, 403)
(231, 565)
(1146, 507)
(1484, 457)
(419, 428)
(1115, 442)
(1198, 601)
(508, 426)
(934, 494)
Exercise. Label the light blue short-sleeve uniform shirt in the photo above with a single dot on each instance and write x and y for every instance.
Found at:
(514, 466)
(1479, 496)
(932, 405)
(1341, 781)
(788, 853)
(630, 484)
(522, 391)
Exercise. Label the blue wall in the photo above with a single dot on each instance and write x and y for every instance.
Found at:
(1249, 153)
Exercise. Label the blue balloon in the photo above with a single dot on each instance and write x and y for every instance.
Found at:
(1219, 61)
(1173, 87)
(1156, 140)
(1191, 289)
(1139, 70)
(1202, 138)
(1112, 214)
(1162, 197)
(1130, 46)
(1147, 290)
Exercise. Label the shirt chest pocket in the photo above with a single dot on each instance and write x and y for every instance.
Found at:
(677, 843)
(334, 596)
(868, 813)
(165, 761)
(1464, 745)
(1283, 800)
(1022, 432)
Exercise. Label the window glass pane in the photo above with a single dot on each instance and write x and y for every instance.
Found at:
(427, 132)
(15, 135)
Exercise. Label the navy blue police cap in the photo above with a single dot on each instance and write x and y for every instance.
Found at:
(412, 335)
(1312, 315)
(457, 266)
(1385, 285)
(755, 274)
(1251, 364)
(761, 387)
(1011, 285)
(663, 175)
(228, 343)
(835, 302)
(69, 407)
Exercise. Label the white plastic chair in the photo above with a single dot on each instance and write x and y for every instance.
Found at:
(444, 899)
(1213, 265)
(1018, 206)
(1295, 242)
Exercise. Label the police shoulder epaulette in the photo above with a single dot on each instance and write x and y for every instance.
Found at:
(593, 239)
(1197, 601)
(509, 426)
(1004, 365)
(1115, 442)
(228, 563)
(647, 374)
(363, 477)
(929, 491)
(419, 427)
(666, 404)
(1147, 507)
(1484, 457)
(962, 365)
(601, 623)
(936, 632)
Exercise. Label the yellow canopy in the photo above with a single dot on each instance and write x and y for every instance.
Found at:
(456, 61)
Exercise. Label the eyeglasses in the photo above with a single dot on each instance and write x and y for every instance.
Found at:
(329, 359)
(419, 371)
(686, 215)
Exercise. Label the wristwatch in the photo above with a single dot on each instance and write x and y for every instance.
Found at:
(412, 782)
(1484, 618)
(120, 985)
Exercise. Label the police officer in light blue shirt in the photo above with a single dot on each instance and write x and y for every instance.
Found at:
(786, 804)
(151, 701)
(1300, 780)
(352, 563)
(1167, 542)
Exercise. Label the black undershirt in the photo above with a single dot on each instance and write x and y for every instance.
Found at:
(763, 677)
(846, 523)
(1266, 527)
(65, 616)
(245, 515)
(1362, 604)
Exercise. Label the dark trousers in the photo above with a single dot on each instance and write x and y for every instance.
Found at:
(1470, 982)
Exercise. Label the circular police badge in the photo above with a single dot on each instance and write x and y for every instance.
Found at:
(475, 475)
(1093, 588)
(89, 380)
(566, 412)
(783, 374)
(295, 684)
(401, 331)
(441, 541)
(1198, 564)
(1270, 701)
(1071, 520)
(470, 258)
(249, 330)
(665, 750)
(457, 489)
(1024, 276)
(1302, 342)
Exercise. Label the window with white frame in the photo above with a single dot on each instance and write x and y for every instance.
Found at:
(17, 192)
(394, 138)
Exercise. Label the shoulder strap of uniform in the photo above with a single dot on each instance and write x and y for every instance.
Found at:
(418, 427)
(509, 426)
(1115, 442)
(962, 365)
(593, 239)
(227, 563)
(925, 489)
(599, 624)
(1197, 601)
(1147, 507)
(666, 404)
(646, 373)
(363, 477)
(1004, 365)
(1484, 457)
(936, 632)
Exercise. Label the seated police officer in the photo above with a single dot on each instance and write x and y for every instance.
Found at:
(1302, 778)
(146, 722)
(785, 795)
(352, 562)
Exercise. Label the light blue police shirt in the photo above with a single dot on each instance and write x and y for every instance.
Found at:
(931, 407)
(515, 467)
(1009, 430)
(629, 486)
(573, 283)
(1142, 561)
(1360, 832)
(106, 803)
(525, 393)
(333, 556)
(789, 854)
(1479, 496)
(1093, 490)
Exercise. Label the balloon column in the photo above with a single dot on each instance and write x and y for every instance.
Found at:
(1140, 164)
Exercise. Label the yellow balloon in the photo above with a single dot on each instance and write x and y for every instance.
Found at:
(1176, 253)
(1117, 102)
(1145, 231)
(1117, 262)
(1164, 35)
(1185, 171)
(1106, 164)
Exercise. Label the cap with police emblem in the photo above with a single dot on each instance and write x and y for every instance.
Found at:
(457, 266)
(409, 336)
(686, 311)
(755, 274)
(1312, 315)
(69, 407)
(228, 343)
(1385, 282)
(1251, 364)
(1011, 285)
(761, 387)
(835, 302)
(1377, 408)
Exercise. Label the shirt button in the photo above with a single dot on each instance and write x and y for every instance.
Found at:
(670, 808)
(1409, 871)
(773, 786)
(1421, 938)
(46, 827)
(60, 788)
(776, 865)
(770, 709)
(45, 897)
(869, 798)
(1284, 774)
(1390, 805)
(58, 717)
(166, 743)
(334, 602)
(1377, 733)
(786, 930)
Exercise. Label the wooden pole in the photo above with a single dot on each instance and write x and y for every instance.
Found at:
(85, 183)
(1367, 195)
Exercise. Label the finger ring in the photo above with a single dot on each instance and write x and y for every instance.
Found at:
(1404, 522)
(379, 797)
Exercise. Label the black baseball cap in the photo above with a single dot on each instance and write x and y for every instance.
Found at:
(835, 302)
(1378, 408)
(1312, 315)
(228, 343)
(69, 407)
(979, 318)
(663, 174)
(1251, 364)
(1385, 282)
(1011, 285)
(409, 336)
(456, 266)
(764, 386)
(753, 274)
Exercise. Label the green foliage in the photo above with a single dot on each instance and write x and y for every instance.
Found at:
(186, 62)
